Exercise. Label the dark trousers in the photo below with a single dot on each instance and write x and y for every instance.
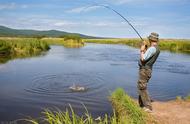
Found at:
(144, 99)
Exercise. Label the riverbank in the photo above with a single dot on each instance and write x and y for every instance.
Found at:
(11, 48)
(66, 42)
(172, 45)
(169, 112)
(126, 111)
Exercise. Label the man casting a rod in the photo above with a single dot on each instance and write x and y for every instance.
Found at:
(147, 59)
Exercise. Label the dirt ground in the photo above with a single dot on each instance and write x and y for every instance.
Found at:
(172, 112)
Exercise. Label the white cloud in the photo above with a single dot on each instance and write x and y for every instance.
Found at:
(120, 2)
(7, 6)
(101, 27)
(82, 9)
(60, 23)
(12, 5)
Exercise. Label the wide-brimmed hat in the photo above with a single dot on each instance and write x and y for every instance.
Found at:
(154, 37)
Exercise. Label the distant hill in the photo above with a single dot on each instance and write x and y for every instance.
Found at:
(9, 32)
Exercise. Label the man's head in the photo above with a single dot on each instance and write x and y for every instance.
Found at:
(153, 37)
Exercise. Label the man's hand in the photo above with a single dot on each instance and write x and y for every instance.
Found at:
(145, 43)
(143, 48)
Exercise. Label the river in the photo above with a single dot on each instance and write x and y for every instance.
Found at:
(27, 86)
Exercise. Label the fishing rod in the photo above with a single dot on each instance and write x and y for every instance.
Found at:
(108, 7)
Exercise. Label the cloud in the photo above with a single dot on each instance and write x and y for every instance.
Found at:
(124, 1)
(120, 2)
(82, 9)
(8, 6)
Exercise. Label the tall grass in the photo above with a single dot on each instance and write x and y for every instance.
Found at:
(22, 45)
(180, 98)
(126, 111)
(66, 42)
(11, 48)
(70, 117)
(173, 45)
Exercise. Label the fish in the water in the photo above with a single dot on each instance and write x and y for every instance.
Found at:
(76, 88)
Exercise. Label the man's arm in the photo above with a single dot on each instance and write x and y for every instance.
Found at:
(149, 53)
(142, 51)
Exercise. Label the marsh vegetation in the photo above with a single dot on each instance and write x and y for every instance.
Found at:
(69, 41)
(126, 111)
(173, 45)
(11, 48)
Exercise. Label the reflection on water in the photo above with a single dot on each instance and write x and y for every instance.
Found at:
(30, 85)
(5, 58)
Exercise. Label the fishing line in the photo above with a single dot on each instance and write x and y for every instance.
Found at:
(108, 7)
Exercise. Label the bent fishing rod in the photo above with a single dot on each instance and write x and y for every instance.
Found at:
(108, 7)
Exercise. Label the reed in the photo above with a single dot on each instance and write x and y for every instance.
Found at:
(70, 117)
(126, 111)
(180, 98)
(11, 48)
(66, 42)
(21, 45)
(187, 98)
(172, 45)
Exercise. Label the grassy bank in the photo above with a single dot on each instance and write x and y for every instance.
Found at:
(173, 45)
(11, 48)
(21, 45)
(180, 98)
(66, 42)
(126, 111)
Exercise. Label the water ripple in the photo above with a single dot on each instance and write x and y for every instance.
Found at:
(56, 87)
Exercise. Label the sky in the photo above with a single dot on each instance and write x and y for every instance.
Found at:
(169, 18)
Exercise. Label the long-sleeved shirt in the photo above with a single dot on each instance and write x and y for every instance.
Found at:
(149, 53)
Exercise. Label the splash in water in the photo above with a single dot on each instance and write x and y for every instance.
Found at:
(76, 88)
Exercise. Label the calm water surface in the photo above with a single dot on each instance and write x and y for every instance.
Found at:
(27, 86)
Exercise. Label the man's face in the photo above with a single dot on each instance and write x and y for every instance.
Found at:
(152, 41)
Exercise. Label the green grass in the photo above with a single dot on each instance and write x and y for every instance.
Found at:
(11, 48)
(22, 45)
(126, 111)
(66, 42)
(180, 98)
(173, 45)
(70, 117)
(187, 98)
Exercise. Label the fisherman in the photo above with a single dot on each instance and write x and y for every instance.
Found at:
(147, 59)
